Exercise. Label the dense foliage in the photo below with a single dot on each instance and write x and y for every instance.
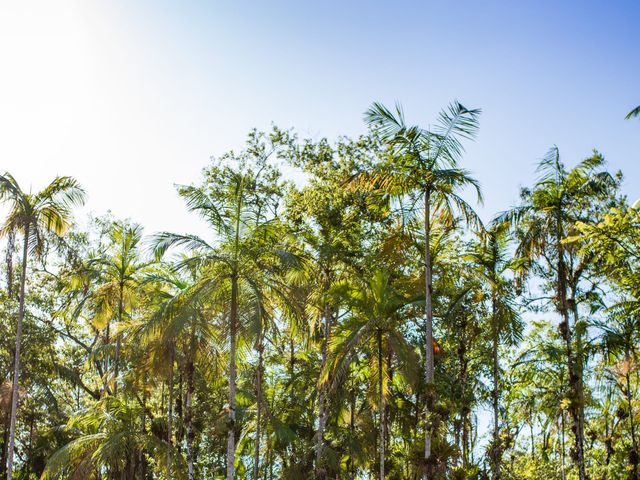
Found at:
(362, 323)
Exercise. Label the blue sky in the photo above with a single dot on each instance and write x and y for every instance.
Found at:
(133, 97)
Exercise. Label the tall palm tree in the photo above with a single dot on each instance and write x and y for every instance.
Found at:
(546, 217)
(34, 216)
(374, 326)
(121, 272)
(620, 339)
(492, 260)
(238, 206)
(108, 436)
(177, 324)
(424, 163)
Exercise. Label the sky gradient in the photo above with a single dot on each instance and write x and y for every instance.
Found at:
(132, 97)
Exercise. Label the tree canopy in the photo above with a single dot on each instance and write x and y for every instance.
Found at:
(362, 323)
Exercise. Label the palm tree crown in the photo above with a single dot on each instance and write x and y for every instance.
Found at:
(34, 216)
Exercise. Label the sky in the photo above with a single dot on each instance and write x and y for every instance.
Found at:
(133, 97)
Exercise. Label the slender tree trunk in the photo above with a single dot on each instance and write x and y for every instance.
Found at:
(190, 370)
(16, 358)
(562, 442)
(142, 460)
(106, 362)
(634, 444)
(292, 391)
(533, 442)
(116, 362)
(256, 448)
(428, 333)
(457, 436)
(387, 406)
(170, 413)
(533, 439)
(381, 411)
(178, 411)
(575, 405)
(322, 408)
(497, 447)
(231, 435)
(270, 457)
(608, 441)
(579, 372)
(352, 429)
(189, 408)
(11, 239)
(462, 379)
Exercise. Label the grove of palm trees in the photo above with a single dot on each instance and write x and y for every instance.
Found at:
(347, 315)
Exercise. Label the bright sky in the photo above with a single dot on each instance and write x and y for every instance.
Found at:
(132, 97)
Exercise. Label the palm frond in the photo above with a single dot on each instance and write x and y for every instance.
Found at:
(161, 242)
(633, 113)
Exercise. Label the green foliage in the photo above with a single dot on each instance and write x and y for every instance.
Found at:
(290, 342)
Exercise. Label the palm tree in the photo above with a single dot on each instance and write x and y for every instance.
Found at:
(547, 216)
(34, 216)
(425, 163)
(620, 336)
(633, 113)
(177, 323)
(492, 260)
(121, 272)
(239, 207)
(374, 326)
(108, 436)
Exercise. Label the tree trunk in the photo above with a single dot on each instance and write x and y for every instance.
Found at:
(634, 445)
(497, 448)
(562, 443)
(533, 438)
(170, 413)
(11, 239)
(381, 411)
(116, 362)
(575, 405)
(256, 448)
(387, 406)
(106, 363)
(352, 429)
(578, 374)
(462, 379)
(189, 408)
(178, 411)
(428, 333)
(231, 424)
(142, 459)
(322, 409)
(292, 392)
(16, 358)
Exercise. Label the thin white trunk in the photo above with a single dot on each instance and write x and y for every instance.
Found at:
(16, 358)
(189, 406)
(322, 409)
(190, 467)
(170, 415)
(256, 451)
(428, 332)
(233, 320)
(116, 362)
(496, 393)
(381, 406)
